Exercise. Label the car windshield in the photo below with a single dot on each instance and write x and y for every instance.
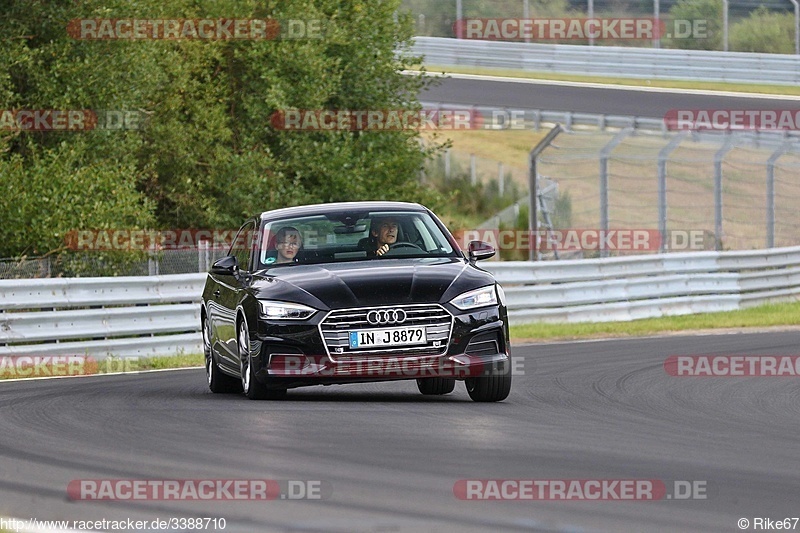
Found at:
(352, 236)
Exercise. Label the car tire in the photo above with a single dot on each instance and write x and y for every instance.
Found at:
(253, 389)
(494, 388)
(436, 386)
(218, 381)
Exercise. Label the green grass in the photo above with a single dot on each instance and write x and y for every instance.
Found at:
(172, 361)
(670, 84)
(787, 314)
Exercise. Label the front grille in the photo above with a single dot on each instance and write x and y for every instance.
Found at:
(336, 328)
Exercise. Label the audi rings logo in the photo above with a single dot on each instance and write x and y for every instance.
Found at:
(386, 316)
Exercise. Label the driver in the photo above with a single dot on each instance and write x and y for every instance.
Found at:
(382, 233)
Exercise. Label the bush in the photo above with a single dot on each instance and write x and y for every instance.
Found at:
(765, 32)
(710, 11)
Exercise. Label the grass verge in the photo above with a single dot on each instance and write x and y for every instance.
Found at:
(771, 315)
(666, 84)
(15, 367)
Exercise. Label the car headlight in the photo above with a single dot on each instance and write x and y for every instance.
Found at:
(476, 298)
(284, 310)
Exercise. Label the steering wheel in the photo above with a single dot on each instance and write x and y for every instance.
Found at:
(399, 246)
(404, 245)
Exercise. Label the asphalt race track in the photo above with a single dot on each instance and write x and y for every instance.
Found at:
(389, 457)
(588, 99)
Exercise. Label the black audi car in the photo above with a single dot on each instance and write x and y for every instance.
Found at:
(354, 292)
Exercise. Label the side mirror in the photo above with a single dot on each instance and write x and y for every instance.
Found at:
(227, 266)
(480, 250)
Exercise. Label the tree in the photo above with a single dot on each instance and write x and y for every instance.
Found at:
(207, 155)
(707, 12)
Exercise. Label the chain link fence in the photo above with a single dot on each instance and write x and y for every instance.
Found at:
(740, 189)
(699, 25)
(86, 264)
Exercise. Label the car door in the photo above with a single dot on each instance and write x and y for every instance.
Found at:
(228, 294)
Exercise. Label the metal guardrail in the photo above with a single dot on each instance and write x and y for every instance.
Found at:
(124, 316)
(537, 119)
(628, 288)
(159, 315)
(645, 63)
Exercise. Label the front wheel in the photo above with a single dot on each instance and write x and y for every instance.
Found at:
(489, 388)
(253, 389)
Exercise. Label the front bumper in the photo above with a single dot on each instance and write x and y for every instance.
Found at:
(292, 355)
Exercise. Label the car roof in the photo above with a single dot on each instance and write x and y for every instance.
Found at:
(319, 209)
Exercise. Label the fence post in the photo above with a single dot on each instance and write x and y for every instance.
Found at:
(725, 25)
(473, 173)
(203, 257)
(152, 266)
(718, 157)
(501, 180)
(605, 153)
(459, 16)
(656, 18)
(663, 154)
(533, 187)
(771, 192)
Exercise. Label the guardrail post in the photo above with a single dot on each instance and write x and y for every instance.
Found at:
(771, 192)
(533, 187)
(663, 154)
(605, 153)
(718, 157)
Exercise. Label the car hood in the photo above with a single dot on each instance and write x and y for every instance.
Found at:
(370, 283)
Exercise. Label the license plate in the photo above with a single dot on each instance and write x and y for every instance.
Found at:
(387, 337)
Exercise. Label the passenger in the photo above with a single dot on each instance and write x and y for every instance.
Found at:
(288, 242)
